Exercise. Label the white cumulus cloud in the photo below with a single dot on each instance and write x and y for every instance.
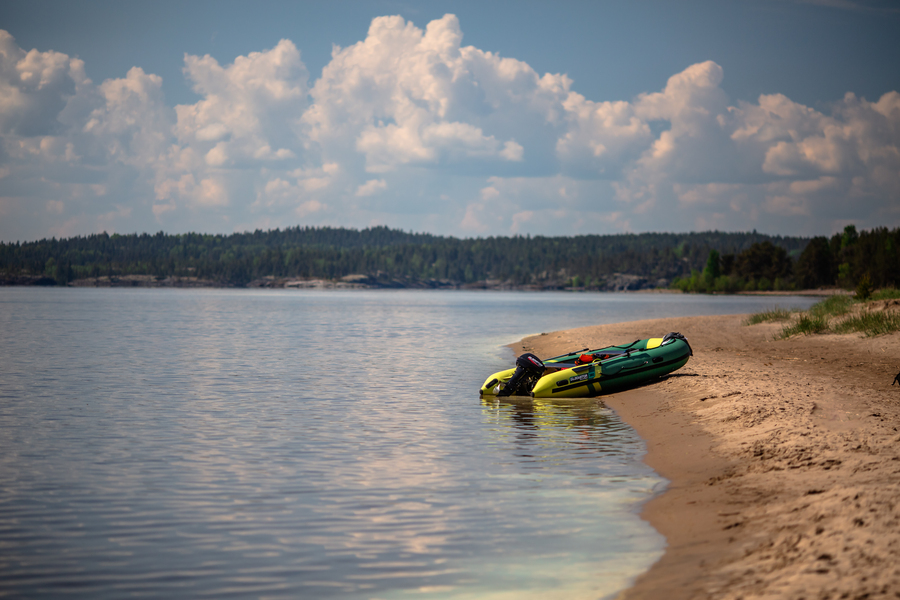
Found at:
(404, 96)
(371, 187)
(469, 143)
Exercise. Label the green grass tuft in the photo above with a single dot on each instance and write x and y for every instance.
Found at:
(886, 294)
(833, 315)
(776, 314)
(833, 306)
(870, 323)
(807, 324)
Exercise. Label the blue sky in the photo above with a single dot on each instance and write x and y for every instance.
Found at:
(460, 118)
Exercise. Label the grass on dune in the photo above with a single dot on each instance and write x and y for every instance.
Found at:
(886, 294)
(870, 323)
(776, 314)
(832, 315)
(833, 306)
(807, 324)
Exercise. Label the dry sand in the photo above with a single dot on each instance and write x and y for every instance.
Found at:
(783, 458)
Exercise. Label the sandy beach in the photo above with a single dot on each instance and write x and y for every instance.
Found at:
(783, 458)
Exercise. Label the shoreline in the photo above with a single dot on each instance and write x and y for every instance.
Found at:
(783, 459)
(620, 283)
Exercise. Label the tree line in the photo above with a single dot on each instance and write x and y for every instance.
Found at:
(693, 261)
(851, 259)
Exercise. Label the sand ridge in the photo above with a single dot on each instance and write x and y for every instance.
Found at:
(783, 458)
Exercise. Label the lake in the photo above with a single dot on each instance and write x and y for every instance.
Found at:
(312, 444)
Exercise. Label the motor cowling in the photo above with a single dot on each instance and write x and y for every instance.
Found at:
(529, 368)
(677, 336)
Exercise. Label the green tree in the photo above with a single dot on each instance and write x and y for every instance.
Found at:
(849, 237)
(816, 267)
(50, 268)
(763, 261)
(712, 271)
(727, 264)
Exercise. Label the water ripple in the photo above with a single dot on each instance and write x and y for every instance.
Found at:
(323, 445)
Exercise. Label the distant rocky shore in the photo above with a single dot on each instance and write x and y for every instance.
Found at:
(618, 282)
(112, 281)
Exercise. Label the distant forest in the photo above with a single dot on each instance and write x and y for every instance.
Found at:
(709, 261)
(851, 259)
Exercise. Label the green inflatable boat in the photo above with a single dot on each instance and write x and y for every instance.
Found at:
(589, 373)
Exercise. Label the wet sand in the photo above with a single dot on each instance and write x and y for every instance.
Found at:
(783, 459)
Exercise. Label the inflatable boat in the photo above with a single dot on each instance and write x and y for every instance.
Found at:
(587, 373)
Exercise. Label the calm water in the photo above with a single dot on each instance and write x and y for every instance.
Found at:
(234, 443)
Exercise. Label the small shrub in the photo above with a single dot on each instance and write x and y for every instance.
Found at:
(728, 284)
(680, 284)
(864, 288)
(782, 284)
(807, 324)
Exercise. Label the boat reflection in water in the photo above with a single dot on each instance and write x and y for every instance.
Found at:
(560, 430)
(587, 485)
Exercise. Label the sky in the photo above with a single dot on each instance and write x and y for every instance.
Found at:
(466, 118)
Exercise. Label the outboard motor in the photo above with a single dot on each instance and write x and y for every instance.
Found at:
(529, 368)
(677, 336)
